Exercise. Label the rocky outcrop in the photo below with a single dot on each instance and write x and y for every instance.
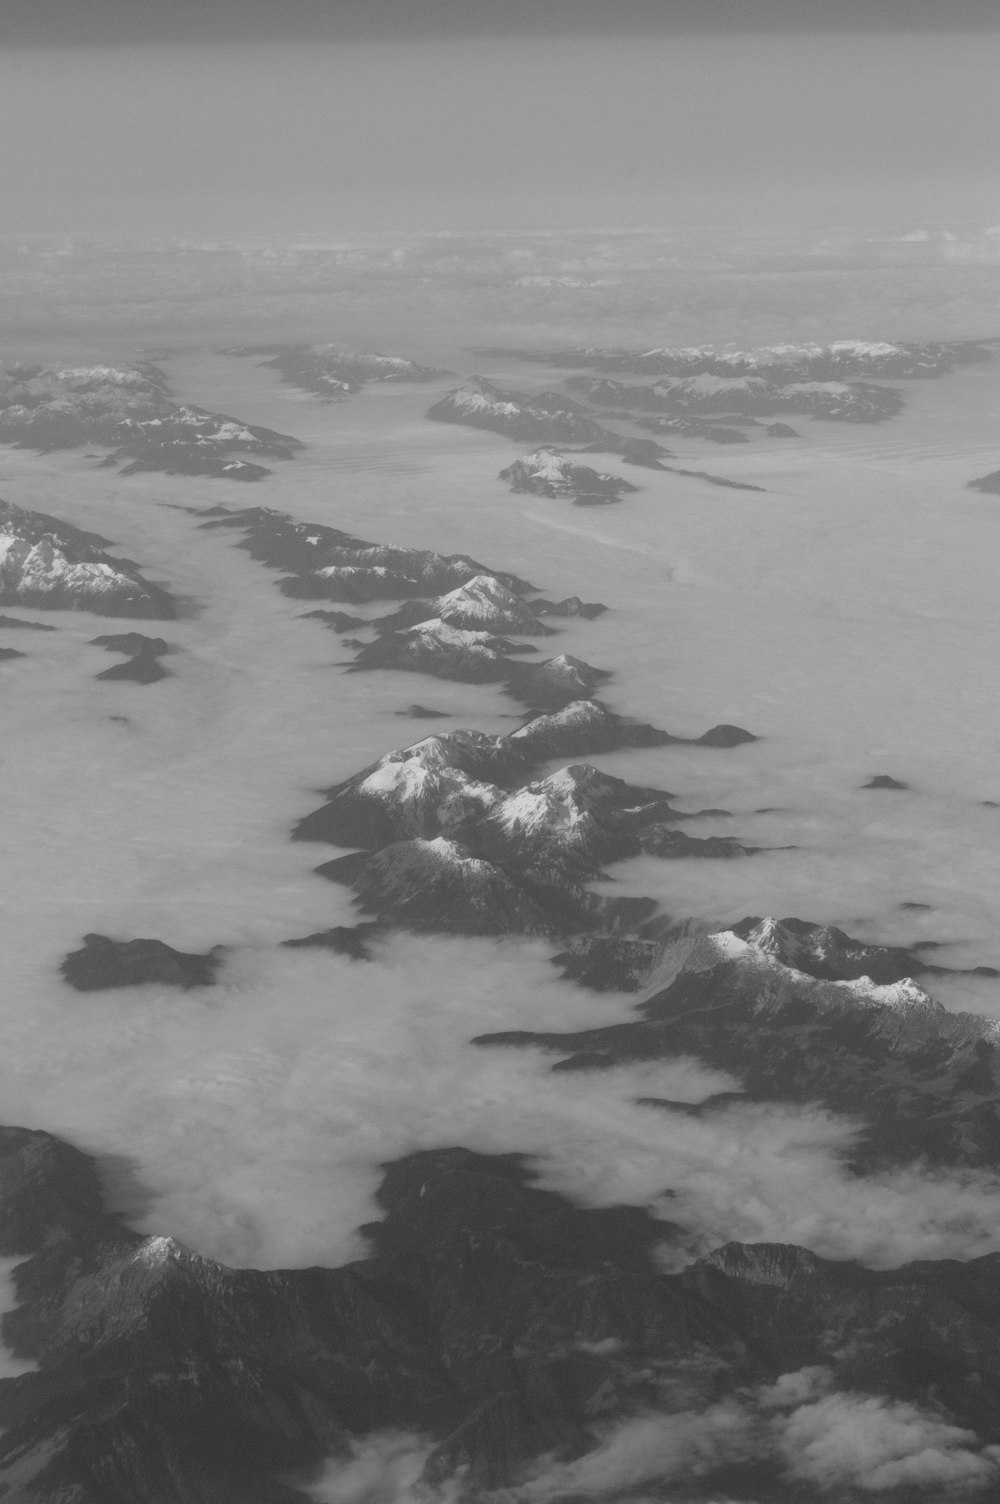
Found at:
(989, 484)
(794, 1011)
(103, 963)
(548, 472)
(144, 653)
(131, 412)
(46, 562)
(529, 1341)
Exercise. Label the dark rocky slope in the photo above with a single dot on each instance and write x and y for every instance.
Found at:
(46, 562)
(143, 665)
(803, 1013)
(453, 839)
(513, 1331)
(433, 787)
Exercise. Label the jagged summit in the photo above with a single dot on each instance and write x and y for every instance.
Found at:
(440, 783)
(46, 562)
(922, 1082)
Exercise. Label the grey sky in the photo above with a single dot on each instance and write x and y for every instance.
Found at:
(500, 130)
(106, 22)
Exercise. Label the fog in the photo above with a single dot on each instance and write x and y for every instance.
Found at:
(498, 131)
(827, 614)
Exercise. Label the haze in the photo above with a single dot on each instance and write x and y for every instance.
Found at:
(502, 131)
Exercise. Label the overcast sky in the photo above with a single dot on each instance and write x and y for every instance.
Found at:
(345, 115)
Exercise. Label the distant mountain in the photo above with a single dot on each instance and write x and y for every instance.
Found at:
(842, 359)
(548, 472)
(548, 418)
(46, 562)
(131, 412)
(753, 395)
(333, 371)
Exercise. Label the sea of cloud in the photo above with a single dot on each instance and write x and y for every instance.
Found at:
(848, 615)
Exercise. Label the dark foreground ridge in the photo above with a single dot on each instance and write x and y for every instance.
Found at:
(49, 563)
(525, 1342)
(104, 963)
(131, 412)
(804, 1013)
